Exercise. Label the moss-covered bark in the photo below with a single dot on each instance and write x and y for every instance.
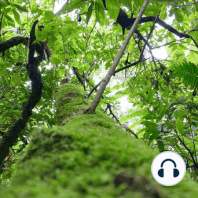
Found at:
(87, 156)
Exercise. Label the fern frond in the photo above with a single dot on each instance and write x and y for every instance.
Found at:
(188, 72)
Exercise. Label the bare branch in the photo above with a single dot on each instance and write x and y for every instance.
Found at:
(13, 42)
(111, 71)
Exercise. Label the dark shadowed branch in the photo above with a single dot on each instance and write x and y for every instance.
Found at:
(11, 136)
(13, 42)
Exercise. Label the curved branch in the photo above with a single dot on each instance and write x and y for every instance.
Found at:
(127, 23)
(128, 66)
(11, 136)
(13, 42)
(79, 77)
(164, 25)
(94, 89)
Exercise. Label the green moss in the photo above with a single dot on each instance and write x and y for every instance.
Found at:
(82, 159)
(70, 100)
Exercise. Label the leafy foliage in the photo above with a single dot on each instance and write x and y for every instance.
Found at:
(162, 109)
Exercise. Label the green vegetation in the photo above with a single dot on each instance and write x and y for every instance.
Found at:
(51, 59)
(83, 158)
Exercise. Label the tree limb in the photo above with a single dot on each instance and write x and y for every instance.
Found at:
(142, 52)
(111, 71)
(11, 136)
(13, 42)
(127, 66)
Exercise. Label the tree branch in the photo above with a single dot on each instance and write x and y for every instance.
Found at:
(142, 52)
(11, 136)
(13, 42)
(128, 66)
(111, 71)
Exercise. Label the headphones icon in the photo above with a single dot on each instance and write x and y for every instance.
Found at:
(175, 170)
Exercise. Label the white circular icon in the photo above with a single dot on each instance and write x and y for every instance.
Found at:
(168, 168)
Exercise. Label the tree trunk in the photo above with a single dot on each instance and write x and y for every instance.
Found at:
(87, 155)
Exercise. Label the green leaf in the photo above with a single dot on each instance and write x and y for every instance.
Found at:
(131, 45)
(139, 3)
(153, 9)
(55, 60)
(188, 131)
(163, 112)
(9, 18)
(160, 144)
(127, 3)
(15, 113)
(194, 35)
(150, 125)
(86, 67)
(100, 15)
(174, 48)
(183, 47)
(61, 72)
(49, 15)
(4, 72)
(179, 125)
(179, 15)
(154, 135)
(89, 13)
(5, 11)
(68, 7)
(21, 8)
(113, 8)
(8, 96)
(3, 4)
(15, 80)
(163, 13)
(150, 97)
(180, 113)
(88, 58)
(6, 65)
(16, 16)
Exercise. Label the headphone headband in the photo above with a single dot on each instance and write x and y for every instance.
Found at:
(168, 160)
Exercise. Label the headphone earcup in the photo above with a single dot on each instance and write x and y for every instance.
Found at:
(175, 172)
(161, 172)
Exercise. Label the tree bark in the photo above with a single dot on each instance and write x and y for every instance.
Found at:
(87, 155)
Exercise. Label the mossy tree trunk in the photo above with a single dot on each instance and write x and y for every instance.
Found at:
(87, 155)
